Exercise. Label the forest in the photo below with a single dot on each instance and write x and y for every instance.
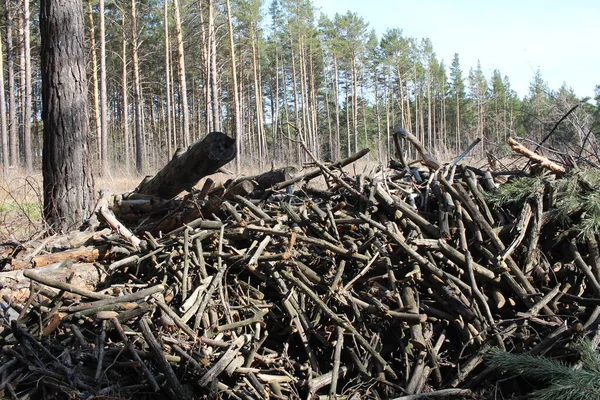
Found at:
(163, 74)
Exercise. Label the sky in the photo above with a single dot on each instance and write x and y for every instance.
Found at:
(561, 38)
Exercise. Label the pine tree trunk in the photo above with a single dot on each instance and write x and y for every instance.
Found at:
(3, 127)
(336, 94)
(137, 93)
(67, 171)
(182, 78)
(27, 100)
(234, 89)
(261, 142)
(125, 95)
(168, 81)
(13, 140)
(103, 95)
(214, 74)
(355, 102)
(96, 92)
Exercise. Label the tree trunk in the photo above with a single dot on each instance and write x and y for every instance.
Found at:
(168, 80)
(185, 169)
(96, 95)
(355, 102)
(182, 79)
(27, 100)
(3, 130)
(125, 112)
(234, 89)
(12, 102)
(137, 93)
(67, 171)
(214, 80)
(103, 99)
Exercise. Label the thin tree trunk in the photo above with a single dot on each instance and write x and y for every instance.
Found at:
(258, 106)
(336, 97)
(348, 142)
(28, 100)
(236, 100)
(182, 79)
(125, 113)
(96, 94)
(137, 95)
(169, 134)
(3, 128)
(214, 77)
(13, 140)
(355, 102)
(103, 95)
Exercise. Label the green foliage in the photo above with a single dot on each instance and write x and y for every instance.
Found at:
(578, 202)
(515, 191)
(565, 382)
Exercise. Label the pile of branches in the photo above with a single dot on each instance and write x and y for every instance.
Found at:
(390, 284)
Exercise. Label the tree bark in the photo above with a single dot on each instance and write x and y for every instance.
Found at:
(67, 173)
(182, 79)
(185, 170)
(27, 100)
(96, 95)
(3, 130)
(12, 103)
(125, 111)
(168, 81)
(103, 95)
(137, 93)
(236, 100)
(214, 79)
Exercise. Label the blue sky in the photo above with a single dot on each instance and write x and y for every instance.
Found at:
(562, 38)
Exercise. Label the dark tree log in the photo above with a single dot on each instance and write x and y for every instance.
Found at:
(66, 167)
(270, 178)
(184, 170)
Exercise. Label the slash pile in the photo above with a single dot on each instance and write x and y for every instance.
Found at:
(379, 285)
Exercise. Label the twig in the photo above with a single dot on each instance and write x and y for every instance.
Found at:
(159, 357)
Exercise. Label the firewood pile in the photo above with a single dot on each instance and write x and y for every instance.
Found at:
(391, 283)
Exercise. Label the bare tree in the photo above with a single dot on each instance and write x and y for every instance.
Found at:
(27, 100)
(103, 101)
(137, 92)
(12, 102)
(95, 94)
(3, 130)
(182, 79)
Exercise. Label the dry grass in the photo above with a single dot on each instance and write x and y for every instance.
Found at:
(21, 199)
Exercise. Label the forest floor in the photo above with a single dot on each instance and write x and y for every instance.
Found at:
(21, 199)
(21, 195)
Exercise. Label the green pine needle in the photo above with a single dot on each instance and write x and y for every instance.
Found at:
(565, 382)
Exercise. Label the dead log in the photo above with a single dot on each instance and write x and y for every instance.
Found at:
(272, 177)
(184, 170)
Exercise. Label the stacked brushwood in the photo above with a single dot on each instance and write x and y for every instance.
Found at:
(392, 283)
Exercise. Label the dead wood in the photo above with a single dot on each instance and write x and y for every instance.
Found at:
(386, 284)
(185, 169)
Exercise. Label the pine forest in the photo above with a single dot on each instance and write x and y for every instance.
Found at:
(163, 74)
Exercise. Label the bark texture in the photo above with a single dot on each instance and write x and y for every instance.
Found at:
(185, 169)
(67, 172)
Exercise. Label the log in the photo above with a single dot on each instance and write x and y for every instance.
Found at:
(184, 170)
(272, 177)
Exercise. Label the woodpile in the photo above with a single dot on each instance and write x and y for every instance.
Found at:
(392, 283)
